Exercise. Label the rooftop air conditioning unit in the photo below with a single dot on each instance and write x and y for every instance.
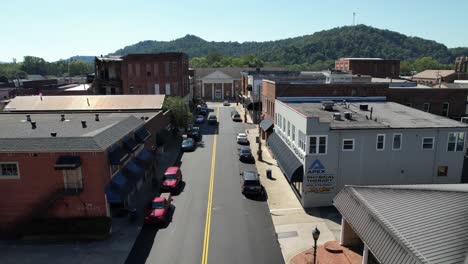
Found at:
(348, 115)
(337, 116)
(328, 105)
(464, 120)
(364, 107)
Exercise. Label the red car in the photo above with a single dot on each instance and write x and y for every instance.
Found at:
(172, 179)
(158, 210)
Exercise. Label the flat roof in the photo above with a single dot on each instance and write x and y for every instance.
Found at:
(385, 115)
(86, 103)
(17, 134)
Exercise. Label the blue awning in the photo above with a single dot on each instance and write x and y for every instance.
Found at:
(142, 134)
(145, 157)
(113, 197)
(117, 155)
(118, 188)
(133, 171)
(291, 166)
(130, 144)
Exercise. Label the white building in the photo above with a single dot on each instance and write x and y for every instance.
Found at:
(322, 146)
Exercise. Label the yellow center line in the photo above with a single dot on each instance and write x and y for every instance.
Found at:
(206, 240)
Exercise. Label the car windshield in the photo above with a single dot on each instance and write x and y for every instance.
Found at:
(245, 151)
(170, 177)
(242, 135)
(200, 116)
(157, 205)
(252, 183)
(187, 142)
(212, 117)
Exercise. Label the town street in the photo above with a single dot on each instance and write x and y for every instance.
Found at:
(234, 229)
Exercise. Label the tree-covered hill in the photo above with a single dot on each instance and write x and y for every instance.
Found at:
(348, 41)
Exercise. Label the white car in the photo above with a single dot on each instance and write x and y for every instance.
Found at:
(242, 138)
(199, 119)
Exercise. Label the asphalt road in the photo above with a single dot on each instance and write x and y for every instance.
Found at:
(241, 229)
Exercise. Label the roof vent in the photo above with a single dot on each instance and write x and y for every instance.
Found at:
(97, 117)
(348, 115)
(328, 105)
(337, 116)
(62, 117)
(142, 118)
(146, 118)
(33, 125)
(83, 123)
(53, 134)
(28, 118)
(364, 107)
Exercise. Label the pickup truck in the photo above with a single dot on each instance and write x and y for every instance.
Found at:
(158, 210)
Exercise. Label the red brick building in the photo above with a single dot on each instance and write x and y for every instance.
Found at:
(59, 164)
(161, 73)
(375, 67)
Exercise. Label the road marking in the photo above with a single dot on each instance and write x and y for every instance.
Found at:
(206, 240)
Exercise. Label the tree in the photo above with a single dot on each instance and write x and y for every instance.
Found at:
(34, 65)
(427, 63)
(179, 110)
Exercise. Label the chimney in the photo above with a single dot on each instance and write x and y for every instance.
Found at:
(83, 123)
(53, 134)
(28, 118)
(337, 116)
(33, 125)
(348, 115)
(62, 117)
(97, 117)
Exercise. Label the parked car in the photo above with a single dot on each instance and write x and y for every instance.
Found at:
(203, 110)
(158, 210)
(245, 154)
(199, 119)
(188, 144)
(251, 183)
(235, 116)
(226, 103)
(212, 120)
(194, 132)
(172, 179)
(242, 138)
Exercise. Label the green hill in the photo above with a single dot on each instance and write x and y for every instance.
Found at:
(348, 41)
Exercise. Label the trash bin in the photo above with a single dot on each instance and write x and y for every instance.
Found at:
(132, 215)
(268, 174)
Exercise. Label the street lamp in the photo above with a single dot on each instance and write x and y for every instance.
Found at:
(315, 235)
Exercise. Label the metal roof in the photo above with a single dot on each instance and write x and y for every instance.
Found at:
(409, 223)
(17, 135)
(385, 115)
(86, 103)
(433, 74)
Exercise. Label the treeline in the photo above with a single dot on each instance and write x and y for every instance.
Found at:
(36, 65)
(425, 63)
(217, 60)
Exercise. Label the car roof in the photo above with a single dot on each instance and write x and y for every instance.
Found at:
(187, 139)
(172, 170)
(250, 176)
(158, 199)
(211, 116)
(242, 134)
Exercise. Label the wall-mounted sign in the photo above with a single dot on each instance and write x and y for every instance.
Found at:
(318, 180)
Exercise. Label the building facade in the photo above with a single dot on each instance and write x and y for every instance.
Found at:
(161, 73)
(375, 67)
(435, 77)
(216, 84)
(322, 144)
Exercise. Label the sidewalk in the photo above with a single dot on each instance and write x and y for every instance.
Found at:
(293, 224)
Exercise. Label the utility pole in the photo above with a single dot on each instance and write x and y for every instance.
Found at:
(354, 18)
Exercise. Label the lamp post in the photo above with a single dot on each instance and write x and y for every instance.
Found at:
(315, 235)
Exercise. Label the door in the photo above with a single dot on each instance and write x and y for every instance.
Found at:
(156, 89)
(218, 94)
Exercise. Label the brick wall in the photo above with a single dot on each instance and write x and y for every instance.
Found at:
(156, 124)
(375, 68)
(38, 178)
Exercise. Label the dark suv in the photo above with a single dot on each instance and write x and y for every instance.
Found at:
(251, 183)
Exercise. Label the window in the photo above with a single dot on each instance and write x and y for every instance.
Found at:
(130, 69)
(9, 170)
(428, 143)
(427, 107)
(348, 145)
(445, 109)
(284, 124)
(302, 142)
(293, 134)
(289, 129)
(72, 179)
(456, 141)
(137, 69)
(130, 90)
(380, 142)
(276, 119)
(442, 170)
(318, 145)
(397, 141)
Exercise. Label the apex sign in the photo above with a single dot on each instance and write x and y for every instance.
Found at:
(317, 167)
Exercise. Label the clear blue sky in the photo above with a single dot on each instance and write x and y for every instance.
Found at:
(55, 29)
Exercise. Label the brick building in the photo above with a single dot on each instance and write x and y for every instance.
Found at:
(161, 73)
(375, 67)
(79, 161)
(217, 83)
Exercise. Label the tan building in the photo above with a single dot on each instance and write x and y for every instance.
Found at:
(434, 77)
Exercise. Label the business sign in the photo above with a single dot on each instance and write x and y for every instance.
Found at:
(318, 180)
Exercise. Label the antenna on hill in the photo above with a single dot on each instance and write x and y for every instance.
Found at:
(354, 18)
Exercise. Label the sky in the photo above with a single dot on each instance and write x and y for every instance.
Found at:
(59, 29)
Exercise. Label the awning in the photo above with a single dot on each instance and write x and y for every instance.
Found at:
(142, 135)
(117, 188)
(67, 162)
(145, 157)
(133, 172)
(130, 144)
(117, 155)
(113, 197)
(266, 124)
(291, 166)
